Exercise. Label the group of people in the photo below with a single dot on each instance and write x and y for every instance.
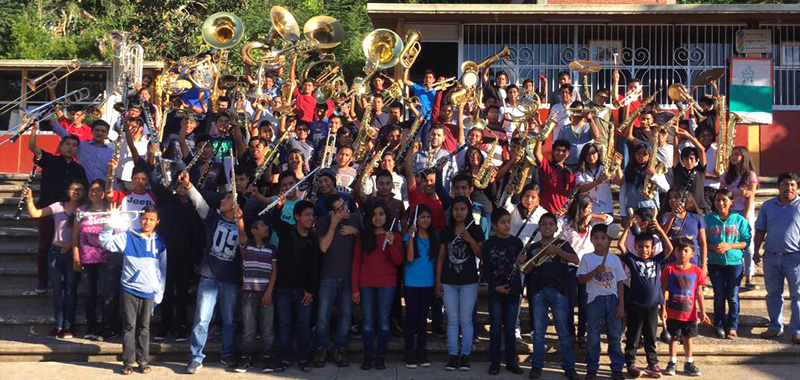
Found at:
(286, 242)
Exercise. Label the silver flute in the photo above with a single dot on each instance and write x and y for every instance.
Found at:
(386, 237)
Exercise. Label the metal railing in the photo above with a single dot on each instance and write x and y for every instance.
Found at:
(659, 55)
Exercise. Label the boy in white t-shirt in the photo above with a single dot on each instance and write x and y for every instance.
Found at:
(603, 275)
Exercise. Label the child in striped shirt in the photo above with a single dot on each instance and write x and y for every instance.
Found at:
(259, 264)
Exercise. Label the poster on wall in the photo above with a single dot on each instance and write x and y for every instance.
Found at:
(751, 93)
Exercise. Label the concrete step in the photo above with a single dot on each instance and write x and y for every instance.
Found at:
(32, 345)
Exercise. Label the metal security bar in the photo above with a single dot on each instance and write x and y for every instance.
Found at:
(658, 55)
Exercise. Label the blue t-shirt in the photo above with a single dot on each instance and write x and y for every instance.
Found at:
(691, 230)
(576, 141)
(782, 223)
(420, 272)
(645, 289)
(426, 97)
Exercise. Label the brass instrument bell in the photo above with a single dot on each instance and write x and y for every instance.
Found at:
(284, 24)
(382, 47)
(222, 30)
(326, 30)
(411, 49)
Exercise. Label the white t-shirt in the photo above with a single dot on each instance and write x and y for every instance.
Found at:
(602, 201)
(517, 222)
(602, 284)
(509, 126)
(562, 118)
(126, 164)
(399, 190)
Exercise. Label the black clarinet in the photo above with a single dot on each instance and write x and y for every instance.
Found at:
(28, 183)
(442, 161)
(571, 197)
(684, 196)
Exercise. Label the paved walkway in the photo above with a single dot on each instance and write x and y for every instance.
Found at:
(169, 371)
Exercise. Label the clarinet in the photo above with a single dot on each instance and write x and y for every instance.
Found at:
(415, 130)
(155, 140)
(192, 163)
(515, 272)
(571, 197)
(684, 196)
(203, 174)
(442, 161)
(27, 183)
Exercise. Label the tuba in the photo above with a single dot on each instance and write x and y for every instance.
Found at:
(222, 30)
(382, 48)
(411, 49)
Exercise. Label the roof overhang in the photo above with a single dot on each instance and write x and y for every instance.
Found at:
(50, 64)
(385, 14)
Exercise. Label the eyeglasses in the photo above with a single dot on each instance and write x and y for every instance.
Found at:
(341, 208)
(76, 189)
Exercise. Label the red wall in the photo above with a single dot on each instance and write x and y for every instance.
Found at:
(16, 158)
(780, 144)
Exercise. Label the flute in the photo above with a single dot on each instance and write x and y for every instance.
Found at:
(233, 184)
(386, 237)
(278, 199)
(414, 222)
(465, 229)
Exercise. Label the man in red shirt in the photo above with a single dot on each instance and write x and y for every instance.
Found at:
(422, 190)
(305, 102)
(634, 86)
(74, 125)
(557, 180)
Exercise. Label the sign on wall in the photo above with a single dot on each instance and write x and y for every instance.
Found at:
(751, 93)
(753, 41)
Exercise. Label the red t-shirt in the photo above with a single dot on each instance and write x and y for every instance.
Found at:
(84, 132)
(305, 105)
(556, 185)
(416, 197)
(622, 112)
(682, 285)
(450, 137)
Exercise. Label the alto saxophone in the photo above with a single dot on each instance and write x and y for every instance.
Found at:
(484, 176)
(723, 148)
(635, 114)
(366, 173)
(609, 161)
(650, 188)
(365, 134)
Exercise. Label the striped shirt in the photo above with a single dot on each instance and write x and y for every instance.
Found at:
(257, 264)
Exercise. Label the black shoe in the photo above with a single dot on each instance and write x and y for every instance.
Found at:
(411, 359)
(571, 374)
(439, 331)
(355, 331)
(270, 363)
(653, 371)
(452, 363)
(110, 334)
(671, 369)
(494, 368)
(245, 363)
(229, 362)
(591, 375)
(634, 372)
(380, 363)
(535, 373)
(368, 363)
(422, 359)
(463, 363)
(617, 375)
(514, 368)
(161, 335)
(691, 370)
(91, 333)
(181, 334)
(304, 366)
(340, 357)
(320, 355)
(719, 332)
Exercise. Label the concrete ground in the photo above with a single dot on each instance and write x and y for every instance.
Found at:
(213, 371)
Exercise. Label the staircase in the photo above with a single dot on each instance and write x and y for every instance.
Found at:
(26, 318)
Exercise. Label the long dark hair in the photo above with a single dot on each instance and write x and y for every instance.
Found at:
(369, 242)
(634, 170)
(575, 212)
(690, 206)
(467, 163)
(741, 171)
(102, 184)
(450, 229)
(583, 166)
(433, 252)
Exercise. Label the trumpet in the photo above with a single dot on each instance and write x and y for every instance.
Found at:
(50, 77)
(677, 92)
(411, 49)
(393, 92)
(442, 84)
(542, 256)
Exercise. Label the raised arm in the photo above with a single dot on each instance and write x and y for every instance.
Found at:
(407, 81)
(32, 141)
(113, 242)
(194, 196)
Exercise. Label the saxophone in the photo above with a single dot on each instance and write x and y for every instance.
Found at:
(635, 114)
(269, 157)
(724, 143)
(412, 134)
(609, 163)
(484, 176)
(650, 188)
(367, 169)
(365, 134)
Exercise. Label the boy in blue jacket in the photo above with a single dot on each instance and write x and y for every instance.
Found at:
(144, 270)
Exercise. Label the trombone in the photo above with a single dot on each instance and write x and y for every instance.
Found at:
(40, 112)
(33, 84)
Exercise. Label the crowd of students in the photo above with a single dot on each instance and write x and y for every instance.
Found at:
(417, 233)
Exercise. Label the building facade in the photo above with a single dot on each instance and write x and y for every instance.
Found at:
(657, 42)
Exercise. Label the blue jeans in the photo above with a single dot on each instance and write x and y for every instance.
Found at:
(207, 292)
(503, 309)
(376, 304)
(459, 303)
(64, 283)
(289, 306)
(603, 310)
(776, 269)
(334, 290)
(726, 280)
(559, 304)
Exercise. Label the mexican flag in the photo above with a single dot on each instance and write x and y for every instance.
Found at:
(751, 94)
